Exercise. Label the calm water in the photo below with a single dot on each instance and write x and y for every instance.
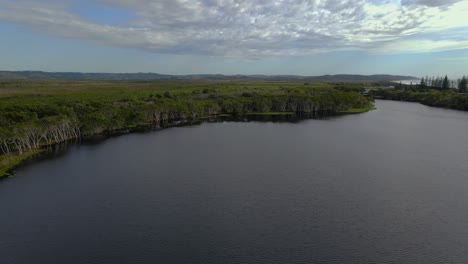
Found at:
(388, 186)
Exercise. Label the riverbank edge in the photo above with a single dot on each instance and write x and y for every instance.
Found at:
(357, 110)
(421, 98)
(9, 162)
(421, 103)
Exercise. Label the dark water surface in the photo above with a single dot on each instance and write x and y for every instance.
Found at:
(388, 186)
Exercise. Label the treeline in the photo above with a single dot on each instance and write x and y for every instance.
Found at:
(33, 134)
(29, 120)
(437, 83)
(445, 99)
(431, 91)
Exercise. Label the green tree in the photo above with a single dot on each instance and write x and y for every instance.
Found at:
(445, 83)
(462, 85)
(422, 84)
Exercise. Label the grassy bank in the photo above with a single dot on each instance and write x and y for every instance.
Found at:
(357, 110)
(8, 162)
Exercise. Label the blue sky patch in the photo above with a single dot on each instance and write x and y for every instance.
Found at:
(102, 14)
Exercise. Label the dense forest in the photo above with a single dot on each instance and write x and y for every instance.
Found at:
(434, 91)
(38, 113)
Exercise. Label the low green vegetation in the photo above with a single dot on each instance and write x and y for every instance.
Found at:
(438, 98)
(357, 110)
(38, 113)
(8, 162)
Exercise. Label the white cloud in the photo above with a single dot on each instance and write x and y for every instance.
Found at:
(453, 59)
(417, 46)
(258, 28)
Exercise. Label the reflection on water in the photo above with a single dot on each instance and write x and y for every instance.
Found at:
(59, 150)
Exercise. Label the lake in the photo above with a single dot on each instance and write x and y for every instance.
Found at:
(387, 186)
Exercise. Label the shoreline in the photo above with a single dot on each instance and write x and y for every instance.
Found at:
(357, 110)
(9, 162)
(434, 98)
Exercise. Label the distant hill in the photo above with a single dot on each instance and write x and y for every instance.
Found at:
(79, 76)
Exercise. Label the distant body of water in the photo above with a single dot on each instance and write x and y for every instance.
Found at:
(387, 186)
(408, 82)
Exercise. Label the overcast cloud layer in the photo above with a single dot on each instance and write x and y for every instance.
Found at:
(256, 28)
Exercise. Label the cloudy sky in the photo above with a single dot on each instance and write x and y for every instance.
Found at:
(305, 37)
